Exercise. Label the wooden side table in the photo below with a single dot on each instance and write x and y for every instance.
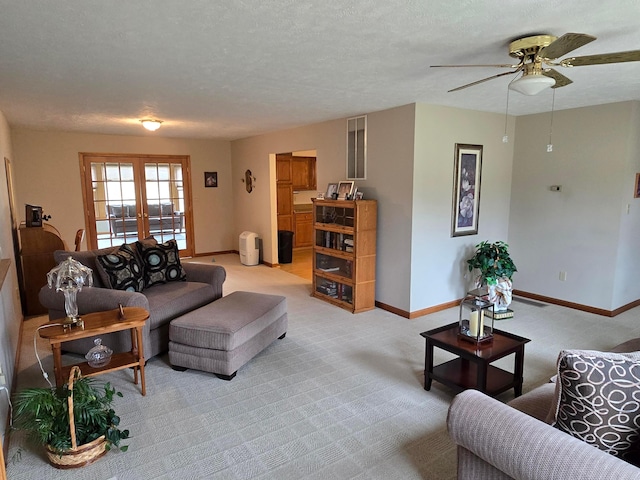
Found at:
(472, 368)
(100, 323)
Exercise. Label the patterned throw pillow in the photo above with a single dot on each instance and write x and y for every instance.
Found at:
(161, 263)
(121, 270)
(598, 400)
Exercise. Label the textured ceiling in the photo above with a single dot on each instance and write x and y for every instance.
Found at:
(235, 68)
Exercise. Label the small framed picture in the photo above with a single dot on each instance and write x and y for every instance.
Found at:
(345, 190)
(636, 192)
(210, 179)
(359, 195)
(331, 189)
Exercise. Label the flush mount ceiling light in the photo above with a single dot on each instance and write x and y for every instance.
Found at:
(150, 124)
(532, 84)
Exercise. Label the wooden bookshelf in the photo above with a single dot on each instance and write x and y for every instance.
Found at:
(344, 253)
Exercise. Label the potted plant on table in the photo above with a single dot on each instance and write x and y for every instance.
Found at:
(75, 423)
(496, 271)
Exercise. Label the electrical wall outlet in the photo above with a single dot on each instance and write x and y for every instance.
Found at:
(563, 276)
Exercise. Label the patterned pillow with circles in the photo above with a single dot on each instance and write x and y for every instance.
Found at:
(598, 400)
(121, 269)
(161, 263)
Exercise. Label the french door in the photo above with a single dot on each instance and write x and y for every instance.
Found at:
(128, 197)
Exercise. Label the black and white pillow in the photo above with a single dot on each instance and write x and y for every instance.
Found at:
(121, 270)
(161, 263)
(598, 400)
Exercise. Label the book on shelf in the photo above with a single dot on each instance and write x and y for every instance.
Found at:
(508, 313)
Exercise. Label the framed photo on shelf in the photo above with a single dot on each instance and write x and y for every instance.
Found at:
(345, 190)
(210, 179)
(466, 189)
(331, 189)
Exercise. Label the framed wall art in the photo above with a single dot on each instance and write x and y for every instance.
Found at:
(636, 191)
(210, 179)
(466, 189)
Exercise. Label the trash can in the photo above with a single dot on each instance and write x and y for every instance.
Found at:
(285, 246)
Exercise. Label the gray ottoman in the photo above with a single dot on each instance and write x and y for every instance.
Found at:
(222, 336)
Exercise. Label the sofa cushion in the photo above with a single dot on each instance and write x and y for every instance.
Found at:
(161, 263)
(170, 300)
(88, 259)
(537, 402)
(121, 270)
(122, 211)
(156, 210)
(598, 400)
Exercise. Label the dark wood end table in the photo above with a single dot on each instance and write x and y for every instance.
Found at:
(472, 368)
(99, 323)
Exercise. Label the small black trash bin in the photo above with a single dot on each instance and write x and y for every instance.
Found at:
(285, 246)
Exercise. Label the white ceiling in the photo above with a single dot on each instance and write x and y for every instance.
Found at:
(235, 68)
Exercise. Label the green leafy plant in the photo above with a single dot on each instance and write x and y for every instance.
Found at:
(44, 414)
(493, 262)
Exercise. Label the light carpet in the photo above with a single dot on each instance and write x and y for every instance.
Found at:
(340, 397)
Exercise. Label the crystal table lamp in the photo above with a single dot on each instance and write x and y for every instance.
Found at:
(69, 277)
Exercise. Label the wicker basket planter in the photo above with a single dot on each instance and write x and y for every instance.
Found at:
(38, 409)
(79, 456)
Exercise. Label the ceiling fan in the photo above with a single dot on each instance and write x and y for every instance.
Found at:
(538, 53)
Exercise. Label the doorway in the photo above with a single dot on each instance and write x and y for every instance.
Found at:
(128, 197)
(295, 186)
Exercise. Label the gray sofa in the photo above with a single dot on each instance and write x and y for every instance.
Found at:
(504, 441)
(163, 301)
(161, 217)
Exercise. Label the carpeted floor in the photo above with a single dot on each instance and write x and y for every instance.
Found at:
(341, 397)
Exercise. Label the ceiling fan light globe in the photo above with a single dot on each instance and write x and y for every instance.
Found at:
(532, 84)
(151, 125)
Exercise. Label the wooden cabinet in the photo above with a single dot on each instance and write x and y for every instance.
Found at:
(303, 229)
(303, 173)
(283, 168)
(37, 245)
(284, 198)
(344, 253)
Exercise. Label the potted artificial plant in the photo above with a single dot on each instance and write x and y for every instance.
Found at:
(496, 272)
(75, 423)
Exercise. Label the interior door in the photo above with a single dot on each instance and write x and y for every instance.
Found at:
(131, 197)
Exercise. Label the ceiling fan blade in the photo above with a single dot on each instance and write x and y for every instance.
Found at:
(617, 57)
(561, 80)
(484, 80)
(506, 65)
(565, 44)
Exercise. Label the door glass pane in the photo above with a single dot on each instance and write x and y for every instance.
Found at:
(114, 199)
(165, 202)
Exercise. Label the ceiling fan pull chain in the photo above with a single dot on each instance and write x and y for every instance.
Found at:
(553, 104)
(505, 137)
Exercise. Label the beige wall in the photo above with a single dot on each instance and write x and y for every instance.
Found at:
(390, 164)
(585, 229)
(410, 153)
(47, 174)
(438, 261)
(256, 211)
(10, 309)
